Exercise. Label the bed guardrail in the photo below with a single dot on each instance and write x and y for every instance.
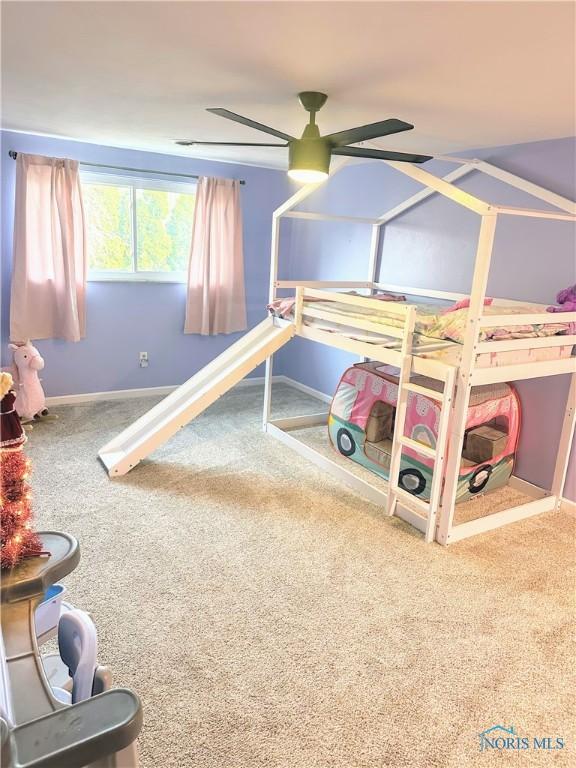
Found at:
(521, 366)
(386, 310)
(401, 321)
(539, 318)
(333, 284)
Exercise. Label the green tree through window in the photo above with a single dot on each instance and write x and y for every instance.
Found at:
(109, 226)
(163, 222)
(179, 228)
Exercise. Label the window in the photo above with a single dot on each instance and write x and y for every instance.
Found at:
(137, 229)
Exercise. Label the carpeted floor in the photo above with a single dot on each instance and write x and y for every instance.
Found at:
(270, 618)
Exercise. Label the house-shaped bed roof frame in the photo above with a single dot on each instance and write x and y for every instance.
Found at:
(466, 374)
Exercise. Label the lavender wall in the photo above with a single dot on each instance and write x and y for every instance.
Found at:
(125, 318)
(433, 246)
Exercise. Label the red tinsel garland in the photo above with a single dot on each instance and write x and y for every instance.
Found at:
(17, 539)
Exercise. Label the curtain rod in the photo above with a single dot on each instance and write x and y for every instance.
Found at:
(14, 155)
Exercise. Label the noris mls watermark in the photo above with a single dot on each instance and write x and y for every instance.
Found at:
(501, 737)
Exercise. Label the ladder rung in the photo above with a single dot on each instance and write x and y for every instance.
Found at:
(419, 390)
(410, 498)
(425, 450)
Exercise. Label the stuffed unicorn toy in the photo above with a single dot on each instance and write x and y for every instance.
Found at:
(30, 400)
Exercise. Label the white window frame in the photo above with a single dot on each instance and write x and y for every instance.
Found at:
(134, 183)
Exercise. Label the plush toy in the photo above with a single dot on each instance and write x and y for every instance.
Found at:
(30, 399)
(566, 299)
(12, 435)
(6, 383)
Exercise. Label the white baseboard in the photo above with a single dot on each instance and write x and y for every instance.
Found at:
(114, 394)
(129, 394)
(304, 388)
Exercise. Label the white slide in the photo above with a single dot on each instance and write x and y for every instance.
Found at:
(162, 421)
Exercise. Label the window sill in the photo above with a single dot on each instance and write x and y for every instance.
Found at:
(149, 277)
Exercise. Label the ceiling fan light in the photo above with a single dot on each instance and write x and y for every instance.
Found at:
(307, 175)
(309, 160)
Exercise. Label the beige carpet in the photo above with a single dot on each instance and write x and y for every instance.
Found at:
(270, 618)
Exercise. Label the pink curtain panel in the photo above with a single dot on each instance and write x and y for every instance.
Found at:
(215, 300)
(50, 261)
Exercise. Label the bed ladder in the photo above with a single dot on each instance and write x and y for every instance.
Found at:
(424, 509)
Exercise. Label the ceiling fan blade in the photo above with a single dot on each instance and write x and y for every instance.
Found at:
(191, 143)
(380, 154)
(250, 123)
(366, 132)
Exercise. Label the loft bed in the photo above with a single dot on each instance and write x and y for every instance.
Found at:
(485, 345)
(504, 342)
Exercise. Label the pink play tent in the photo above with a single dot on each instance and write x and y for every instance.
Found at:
(361, 426)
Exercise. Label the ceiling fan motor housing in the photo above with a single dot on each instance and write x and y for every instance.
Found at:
(309, 154)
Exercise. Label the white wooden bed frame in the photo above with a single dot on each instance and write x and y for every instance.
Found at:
(436, 518)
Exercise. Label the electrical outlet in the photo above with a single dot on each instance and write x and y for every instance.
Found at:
(143, 359)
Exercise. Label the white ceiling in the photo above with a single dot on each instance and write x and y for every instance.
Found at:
(140, 75)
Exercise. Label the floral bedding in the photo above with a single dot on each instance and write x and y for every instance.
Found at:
(452, 325)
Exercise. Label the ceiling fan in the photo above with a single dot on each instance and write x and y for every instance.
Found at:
(310, 155)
